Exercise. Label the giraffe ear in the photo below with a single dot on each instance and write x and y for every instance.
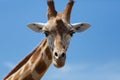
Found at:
(37, 27)
(80, 27)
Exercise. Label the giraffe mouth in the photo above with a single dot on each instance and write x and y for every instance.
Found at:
(58, 62)
(59, 65)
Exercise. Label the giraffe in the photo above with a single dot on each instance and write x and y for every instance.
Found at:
(52, 49)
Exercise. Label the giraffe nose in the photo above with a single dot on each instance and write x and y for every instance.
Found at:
(59, 56)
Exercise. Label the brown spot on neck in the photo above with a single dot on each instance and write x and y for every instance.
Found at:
(48, 53)
(29, 77)
(41, 67)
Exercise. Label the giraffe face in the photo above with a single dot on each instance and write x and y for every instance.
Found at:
(58, 35)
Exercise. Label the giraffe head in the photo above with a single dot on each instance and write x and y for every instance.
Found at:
(59, 31)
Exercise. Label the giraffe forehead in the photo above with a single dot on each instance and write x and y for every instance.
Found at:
(58, 26)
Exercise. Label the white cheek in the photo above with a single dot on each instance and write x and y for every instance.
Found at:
(67, 41)
(50, 41)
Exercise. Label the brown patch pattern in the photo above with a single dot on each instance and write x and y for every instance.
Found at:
(40, 66)
(48, 53)
(29, 77)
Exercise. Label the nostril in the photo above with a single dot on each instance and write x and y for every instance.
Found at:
(63, 54)
(56, 54)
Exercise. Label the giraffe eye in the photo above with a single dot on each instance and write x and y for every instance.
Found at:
(71, 33)
(47, 33)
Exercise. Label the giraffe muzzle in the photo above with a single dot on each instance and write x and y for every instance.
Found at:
(59, 59)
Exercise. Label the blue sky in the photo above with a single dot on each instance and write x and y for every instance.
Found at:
(92, 55)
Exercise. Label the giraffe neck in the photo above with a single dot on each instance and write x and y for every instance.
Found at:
(36, 65)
